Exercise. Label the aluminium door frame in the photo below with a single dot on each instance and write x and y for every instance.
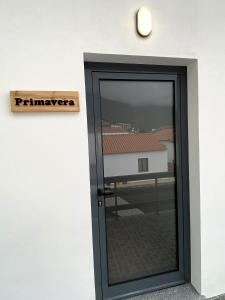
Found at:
(91, 69)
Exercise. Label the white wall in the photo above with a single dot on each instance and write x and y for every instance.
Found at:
(127, 163)
(194, 178)
(211, 128)
(170, 150)
(45, 217)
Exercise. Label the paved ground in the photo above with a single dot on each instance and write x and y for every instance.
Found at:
(142, 241)
(140, 245)
(141, 232)
(182, 292)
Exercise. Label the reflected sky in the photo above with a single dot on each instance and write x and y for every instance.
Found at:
(146, 105)
(129, 92)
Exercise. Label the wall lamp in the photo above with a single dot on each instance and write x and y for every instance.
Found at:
(144, 22)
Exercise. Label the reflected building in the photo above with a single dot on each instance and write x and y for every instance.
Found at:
(127, 153)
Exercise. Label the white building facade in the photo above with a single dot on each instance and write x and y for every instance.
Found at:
(127, 163)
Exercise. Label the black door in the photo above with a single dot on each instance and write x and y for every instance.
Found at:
(137, 120)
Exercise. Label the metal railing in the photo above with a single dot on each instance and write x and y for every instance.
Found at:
(118, 183)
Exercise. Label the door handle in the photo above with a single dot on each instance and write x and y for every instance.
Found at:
(105, 192)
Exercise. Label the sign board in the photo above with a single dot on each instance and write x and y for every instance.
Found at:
(44, 101)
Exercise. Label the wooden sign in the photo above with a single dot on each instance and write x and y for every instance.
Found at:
(41, 101)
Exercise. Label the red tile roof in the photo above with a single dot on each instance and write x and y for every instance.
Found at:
(131, 143)
(164, 134)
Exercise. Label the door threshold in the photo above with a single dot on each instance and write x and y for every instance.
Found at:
(184, 291)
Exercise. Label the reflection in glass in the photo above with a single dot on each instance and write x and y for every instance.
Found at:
(138, 154)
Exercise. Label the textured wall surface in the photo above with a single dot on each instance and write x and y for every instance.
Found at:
(45, 215)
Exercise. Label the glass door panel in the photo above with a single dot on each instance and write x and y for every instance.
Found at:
(139, 163)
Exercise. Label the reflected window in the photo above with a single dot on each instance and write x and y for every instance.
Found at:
(142, 164)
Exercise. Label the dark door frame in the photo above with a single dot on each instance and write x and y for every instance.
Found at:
(92, 71)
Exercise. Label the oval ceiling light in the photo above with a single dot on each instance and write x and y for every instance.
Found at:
(144, 22)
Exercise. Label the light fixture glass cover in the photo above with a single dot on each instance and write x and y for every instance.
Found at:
(144, 21)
